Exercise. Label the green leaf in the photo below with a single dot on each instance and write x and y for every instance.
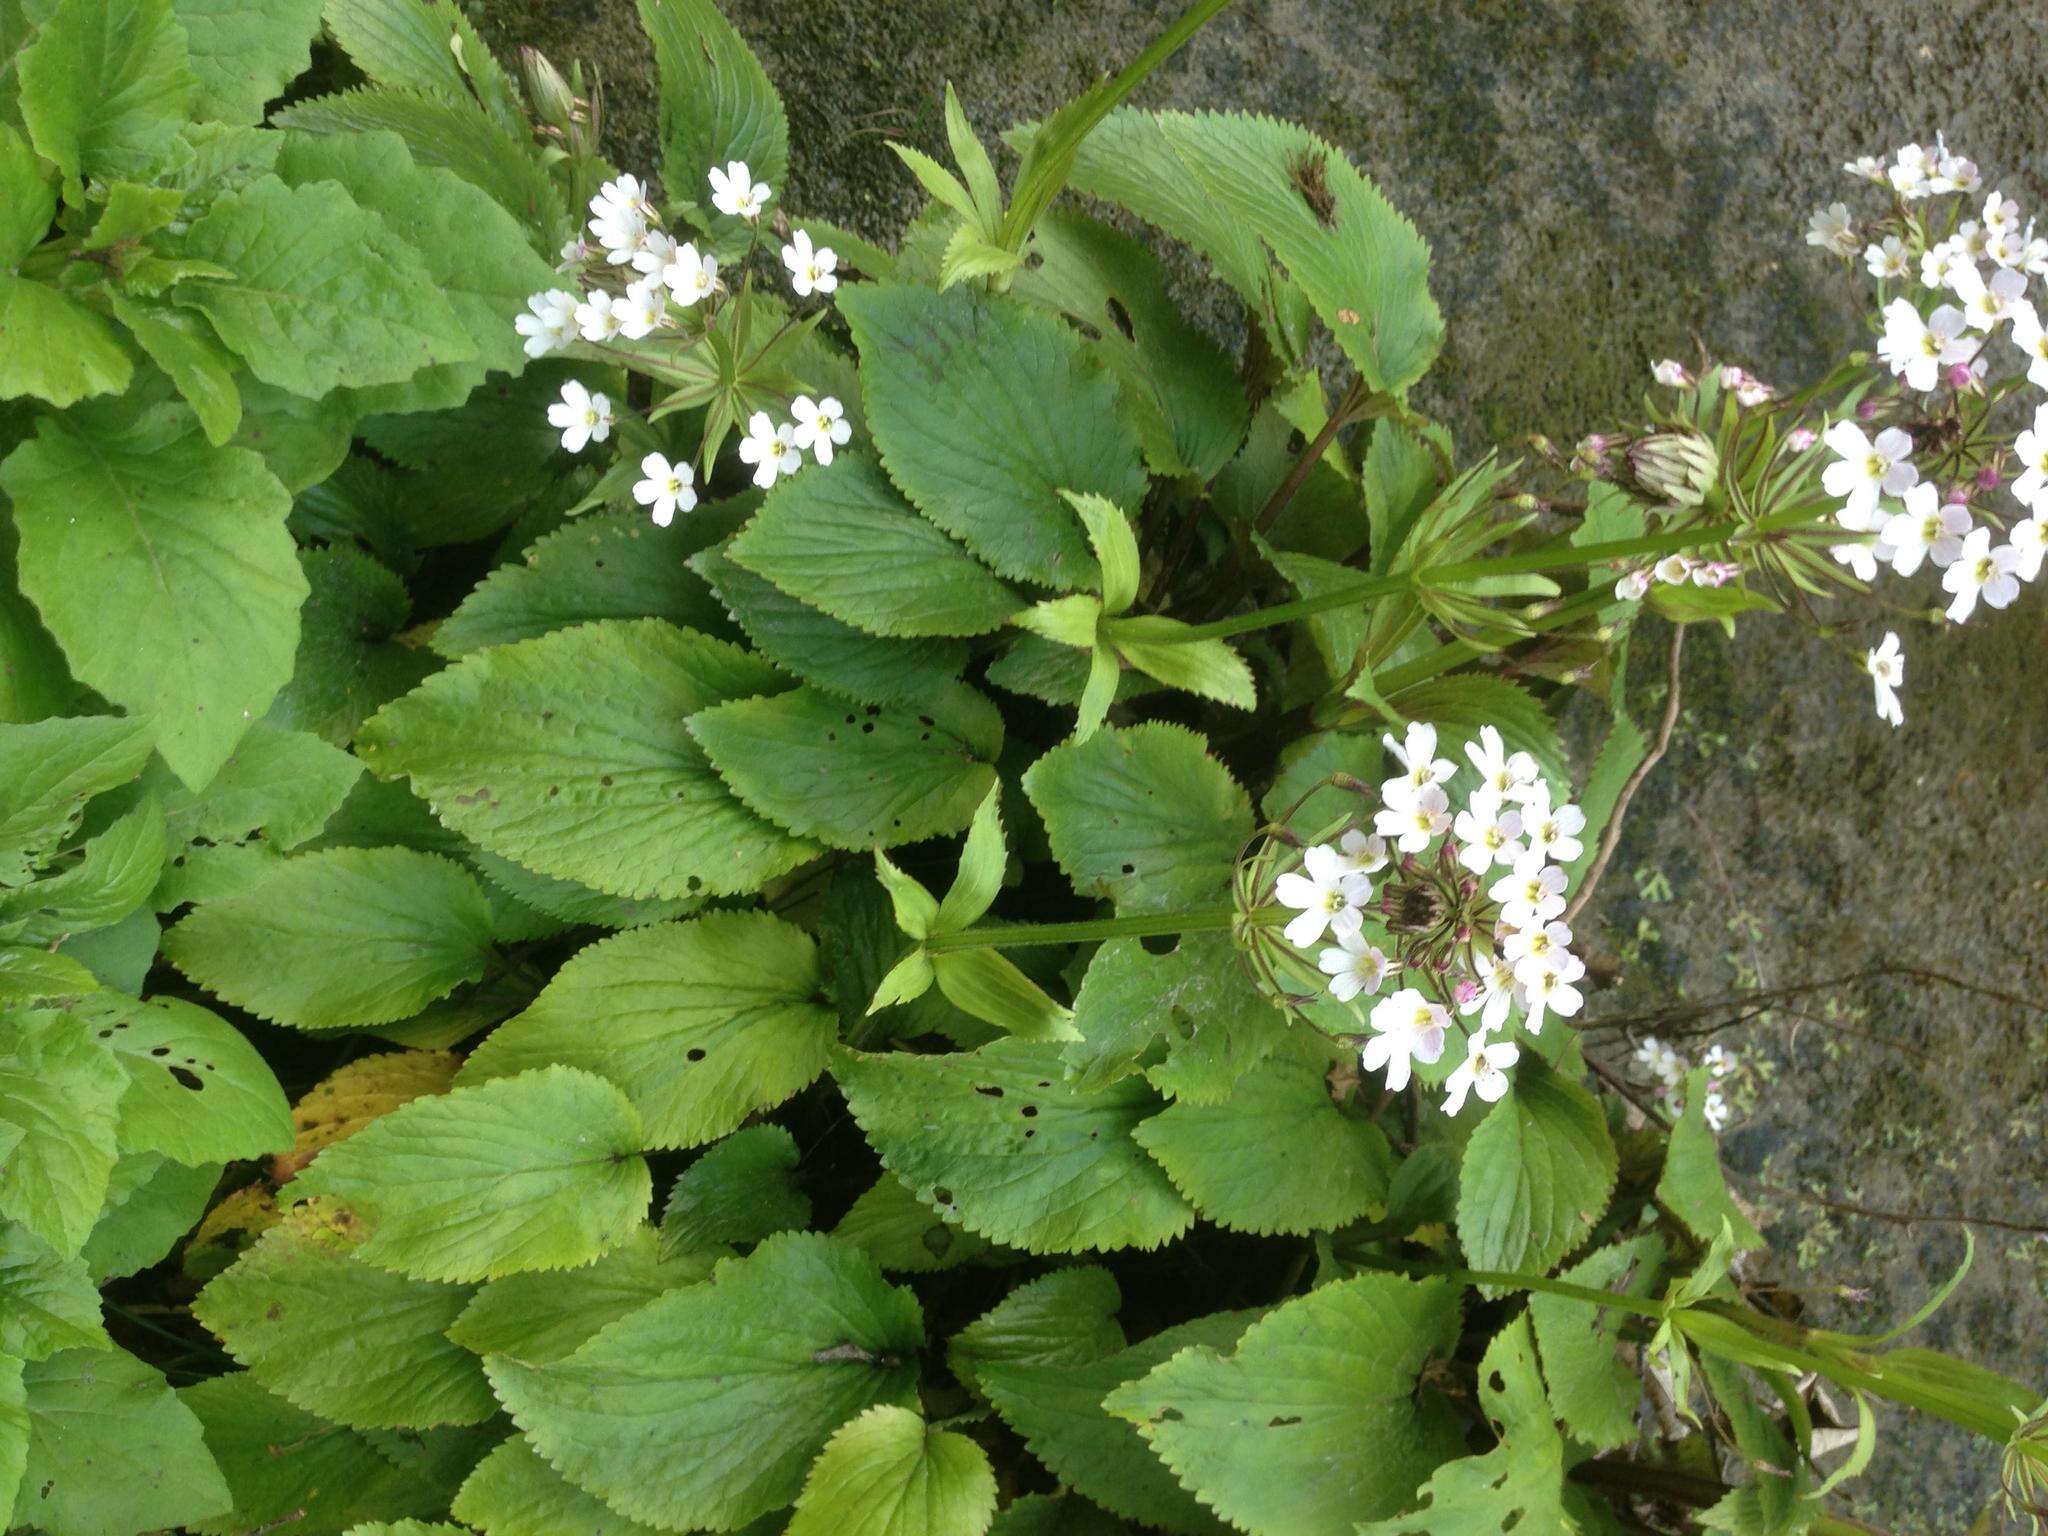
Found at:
(538, 1171)
(1317, 1420)
(614, 565)
(1398, 476)
(1115, 547)
(732, 1388)
(739, 1191)
(348, 665)
(984, 411)
(979, 878)
(59, 1094)
(513, 1492)
(324, 294)
(164, 570)
(284, 784)
(705, 1022)
(1278, 1155)
(54, 349)
(29, 975)
(111, 877)
(1537, 1174)
(346, 937)
(994, 1140)
(49, 769)
(105, 86)
(888, 1222)
(1595, 1391)
(841, 539)
(1459, 706)
(569, 754)
(152, 1202)
(564, 901)
(28, 201)
(984, 985)
(14, 1429)
(888, 1473)
(549, 1314)
(1143, 817)
(1209, 668)
(1191, 1019)
(197, 1091)
(47, 1302)
(1692, 1183)
(340, 1338)
(111, 1450)
(856, 776)
(1063, 1319)
(183, 346)
(245, 52)
(717, 104)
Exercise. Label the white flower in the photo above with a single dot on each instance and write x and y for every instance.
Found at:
(1533, 894)
(1987, 303)
(2001, 212)
(1714, 1109)
(550, 322)
(1952, 173)
(1747, 388)
(820, 426)
(628, 192)
(1869, 167)
(1551, 988)
(1662, 1062)
(1529, 949)
(735, 193)
(1416, 820)
(2032, 338)
(1864, 469)
(1552, 832)
(1511, 775)
(1861, 559)
(600, 317)
(1889, 259)
(770, 449)
(621, 228)
(581, 417)
(1981, 571)
(643, 308)
(654, 252)
(690, 276)
(2008, 247)
(1484, 1071)
(1928, 529)
(1887, 668)
(1362, 853)
(667, 489)
(1353, 966)
(1492, 993)
(1913, 170)
(1416, 754)
(2029, 541)
(1939, 259)
(574, 253)
(1830, 228)
(1326, 892)
(1718, 1060)
(1674, 570)
(811, 270)
(1409, 1028)
(1919, 349)
(1488, 830)
(1633, 585)
(1671, 373)
(2031, 448)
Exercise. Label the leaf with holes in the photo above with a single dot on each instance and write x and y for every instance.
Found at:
(198, 1092)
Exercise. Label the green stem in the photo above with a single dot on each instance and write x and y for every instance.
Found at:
(1639, 1306)
(1144, 926)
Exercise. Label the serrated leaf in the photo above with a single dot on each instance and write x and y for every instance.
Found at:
(1537, 1174)
(1191, 1019)
(739, 1191)
(325, 293)
(538, 1171)
(48, 1302)
(181, 345)
(984, 411)
(705, 1022)
(569, 754)
(344, 937)
(348, 665)
(111, 1451)
(1063, 1319)
(109, 878)
(29, 976)
(983, 859)
(732, 1387)
(343, 1339)
(28, 198)
(1692, 1183)
(1144, 817)
(59, 1097)
(105, 86)
(988, 986)
(358, 1092)
(245, 53)
(888, 1473)
(717, 103)
(53, 349)
(197, 1091)
(152, 1202)
(49, 769)
(164, 569)
(547, 1315)
(1158, 647)
(902, 1235)
(1459, 706)
(1595, 1391)
(566, 902)
(1398, 476)
(1278, 1155)
(284, 784)
(856, 776)
(994, 1140)
(1316, 1420)
(514, 1492)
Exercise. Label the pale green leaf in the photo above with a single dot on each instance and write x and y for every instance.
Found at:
(245, 52)
(1192, 1019)
(538, 1171)
(979, 878)
(514, 1492)
(717, 104)
(197, 1091)
(704, 1022)
(569, 754)
(732, 1388)
(59, 1094)
(181, 345)
(49, 769)
(1157, 647)
(1692, 1184)
(1537, 1174)
(29, 975)
(888, 1473)
(28, 199)
(105, 86)
(902, 1235)
(987, 986)
(109, 877)
(152, 1202)
(349, 936)
(47, 1302)
(548, 1314)
(13, 1428)
(1115, 546)
(284, 784)
(163, 567)
(915, 911)
(739, 1191)
(54, 349)
(1595, 1391)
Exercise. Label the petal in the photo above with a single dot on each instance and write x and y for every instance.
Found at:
(1297, 891)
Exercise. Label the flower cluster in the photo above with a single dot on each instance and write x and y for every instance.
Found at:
(671, 280)
(1462, 904)
(1668, 1069)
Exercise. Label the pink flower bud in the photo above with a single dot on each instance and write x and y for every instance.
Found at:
(1988, 478)
(1960, 493)
(1671, 373)
(1799, 439)
(1866, 410)
(1465, 991)
(1959, 376)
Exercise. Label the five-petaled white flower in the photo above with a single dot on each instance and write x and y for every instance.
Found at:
(550, 322)
(1484, 1071)
(689, 275)
(821, 425)
(1888, 258)
(1532, 894)
(1929, 529)
(2001, 212)
(580, 416)
(1491, 994)
(667, 489)
(1511, 775)
(1552, 832)
(1326, 893)
(1919, 349)
(771, 449)
(1488, 832)
(600, 316)
(621, 218)
(1981, 572)
(1551, 988)
(655, 252)
(1410, 1028)
(1530, 949)
(1415, 819)
(1987, 301)
(1830, 228)
(1869, 167)
(1421, 767)
(1913, 170)
(1886, 665)
(1362, 852)
(812, 269)
(643, 309)
(1353, 967)
(1864, 469)
(735, 193)
(2031, 337)
(2031, 449)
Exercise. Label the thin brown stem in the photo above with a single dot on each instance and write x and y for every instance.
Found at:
(1342, 417)
(1899, 1218)
(1612, 835)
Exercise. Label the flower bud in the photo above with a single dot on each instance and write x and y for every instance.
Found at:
(1988, 478)
(1799, 439)
(552, 99)
(1671, 373)
(1678, 467)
